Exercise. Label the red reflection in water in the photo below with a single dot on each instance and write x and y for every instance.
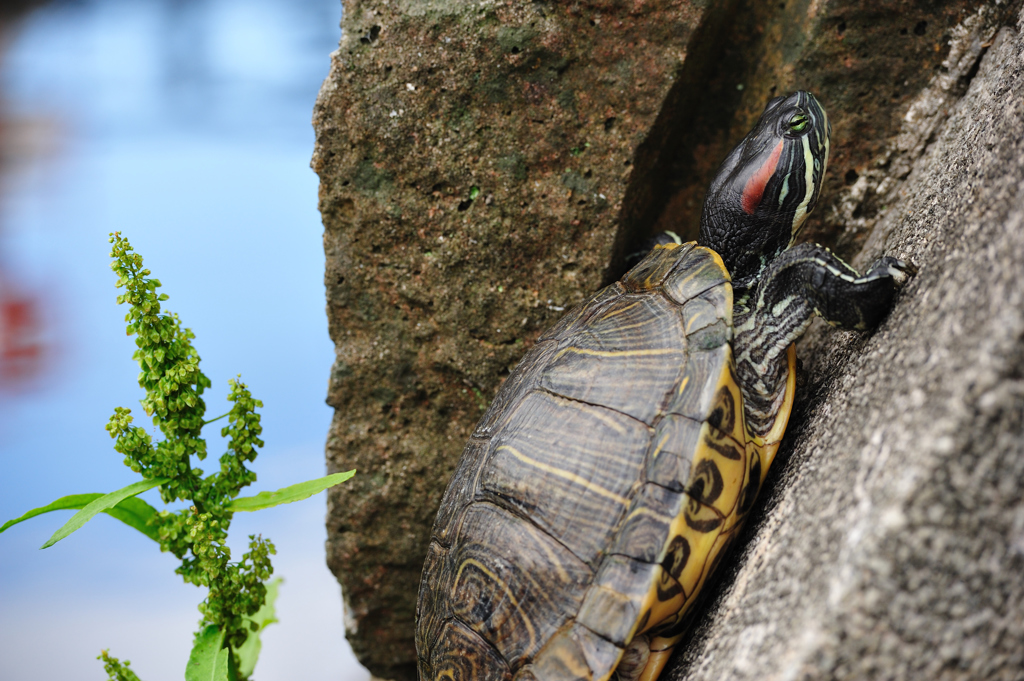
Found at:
(21, 338)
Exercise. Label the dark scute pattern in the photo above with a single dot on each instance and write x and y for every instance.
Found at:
(612, 604)
(724, 445)
(651, 272)
(645, 528)
(706, 483)
(718, 457)
(460, 491)
(723, 415)
(628, 358)
(676, 556)
(668, 588)
(567, 466)
(523, 378)
(700, 517)
(464, 656)
(694, 274)
(753, 483)
(576, 318)
(511, 583)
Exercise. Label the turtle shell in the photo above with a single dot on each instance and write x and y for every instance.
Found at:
(601, 486)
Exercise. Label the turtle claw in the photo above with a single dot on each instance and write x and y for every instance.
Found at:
(900, 271)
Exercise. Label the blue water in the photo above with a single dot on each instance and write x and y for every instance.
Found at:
(185, 126)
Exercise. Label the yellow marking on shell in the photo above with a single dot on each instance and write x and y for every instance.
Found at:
(734, 519)
(659, 610)
(682, 384)
(615, 312)
(654, 352)
(598, 414)
(648, 512)
(531, 632)
(570, 661)
(652, 271)
(716, 547)
(657, 276)
(727, 380)
(715, 258)
(668, 247)
(718, 261)
(619, 328)
(705, 546)
(712, 551)
(447, 673)
(554, 560)
(662, 643)
(661, 445)
(565, 475)
(698, 315)
(681, 281)
(700, 546)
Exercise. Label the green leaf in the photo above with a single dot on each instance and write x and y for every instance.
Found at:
(209, 659)
(249, 651)
(133, 512)
(100, 504)
(287, 495)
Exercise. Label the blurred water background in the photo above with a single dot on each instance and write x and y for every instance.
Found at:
(185, 125)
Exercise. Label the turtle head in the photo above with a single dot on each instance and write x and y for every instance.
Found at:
(764, 190)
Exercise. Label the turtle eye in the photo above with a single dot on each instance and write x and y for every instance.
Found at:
(798, 123)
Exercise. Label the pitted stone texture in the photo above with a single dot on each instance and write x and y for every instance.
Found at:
(474, 159)
(892, 546)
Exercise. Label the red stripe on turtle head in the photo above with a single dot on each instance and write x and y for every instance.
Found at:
(753, 190)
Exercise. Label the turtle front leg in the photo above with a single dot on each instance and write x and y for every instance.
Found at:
(802, 281)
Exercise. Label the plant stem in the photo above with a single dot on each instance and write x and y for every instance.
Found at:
(217, 419)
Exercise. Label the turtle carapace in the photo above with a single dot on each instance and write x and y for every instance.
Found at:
(620, 458)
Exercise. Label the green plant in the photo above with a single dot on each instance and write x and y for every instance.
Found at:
(240, 600)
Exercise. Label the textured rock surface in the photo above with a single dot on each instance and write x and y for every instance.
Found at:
(893, 546)
(484, 165)
(475, 160)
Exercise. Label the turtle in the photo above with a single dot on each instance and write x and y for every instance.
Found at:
(620, 458)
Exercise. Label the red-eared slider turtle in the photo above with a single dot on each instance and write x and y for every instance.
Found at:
(620, 458)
